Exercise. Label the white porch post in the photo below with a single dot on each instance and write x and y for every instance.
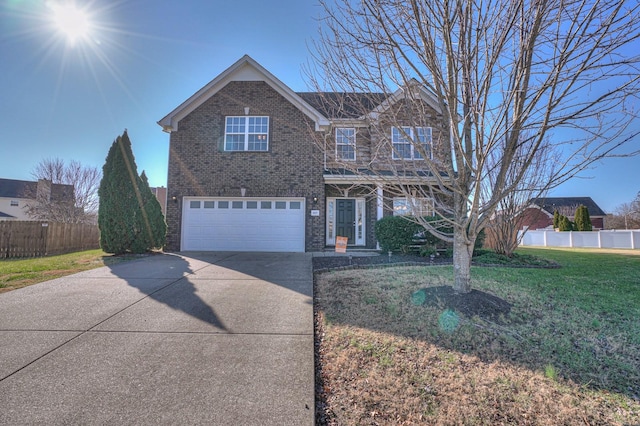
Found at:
(380, 207)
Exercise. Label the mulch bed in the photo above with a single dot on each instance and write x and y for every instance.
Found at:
(325, 263)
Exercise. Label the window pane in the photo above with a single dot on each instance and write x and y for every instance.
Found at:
(209, 204)
(236, 204)
(252, 204)
(295, 205)
(280, 205)
(223, 204)
(194, 204)
(400, 207)
(265, 204)
(234, 143)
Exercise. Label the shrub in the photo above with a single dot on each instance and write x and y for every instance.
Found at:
(582, 219)
(396, 233)
(564, 224)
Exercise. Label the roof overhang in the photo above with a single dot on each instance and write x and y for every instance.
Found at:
(245, 69)
(367, 177)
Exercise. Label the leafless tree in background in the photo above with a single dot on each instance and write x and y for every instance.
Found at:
(51, 204)
(503, 231)
(565, 71)
(626, 216)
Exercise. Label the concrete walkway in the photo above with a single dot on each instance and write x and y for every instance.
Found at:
(197, 338)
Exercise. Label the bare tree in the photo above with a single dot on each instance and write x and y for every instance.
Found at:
(626, 216)
(76, 203)
(504, 231)
(494, 70)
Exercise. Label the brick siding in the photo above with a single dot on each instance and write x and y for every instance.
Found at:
(292, 166)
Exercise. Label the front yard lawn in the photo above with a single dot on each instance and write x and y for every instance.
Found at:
(565, 351)
(16, 273)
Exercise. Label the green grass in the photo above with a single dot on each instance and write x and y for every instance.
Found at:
(17, 273)
(571, 340)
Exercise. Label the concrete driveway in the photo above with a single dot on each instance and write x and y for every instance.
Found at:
(192, 338)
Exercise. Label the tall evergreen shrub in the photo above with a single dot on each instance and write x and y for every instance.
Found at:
(122, 216)
(582, 219)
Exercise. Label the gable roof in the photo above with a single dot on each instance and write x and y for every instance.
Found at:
(245, 69)
(551, 204)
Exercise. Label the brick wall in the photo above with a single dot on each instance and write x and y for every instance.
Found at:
(292, 167)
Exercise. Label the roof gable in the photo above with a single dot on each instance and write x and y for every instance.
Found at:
(245, 69)
(413, 90)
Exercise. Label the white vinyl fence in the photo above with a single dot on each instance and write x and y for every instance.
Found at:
(623, 239)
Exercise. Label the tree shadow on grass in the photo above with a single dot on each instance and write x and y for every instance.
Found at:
(525, 331)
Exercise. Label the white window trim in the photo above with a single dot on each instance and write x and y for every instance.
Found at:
(412, 140)
(352, 144)
(361, 227)
(246, 133)
(414, 202)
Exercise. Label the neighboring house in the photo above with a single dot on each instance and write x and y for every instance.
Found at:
(539, 214)
(161, 194)
(15, 195)
(247, 171)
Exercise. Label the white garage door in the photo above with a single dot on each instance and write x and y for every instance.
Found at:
(248, 224)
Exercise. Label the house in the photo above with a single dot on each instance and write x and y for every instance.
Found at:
(539, 214)
(255, 166)
(16, 195)
(161, 194)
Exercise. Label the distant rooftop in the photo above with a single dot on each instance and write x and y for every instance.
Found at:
(551, 204)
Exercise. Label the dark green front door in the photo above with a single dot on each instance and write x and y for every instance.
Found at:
(346, 219)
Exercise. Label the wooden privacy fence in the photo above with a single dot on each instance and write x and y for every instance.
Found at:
(32, 239)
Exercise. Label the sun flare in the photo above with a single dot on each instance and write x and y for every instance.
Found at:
(71, 21)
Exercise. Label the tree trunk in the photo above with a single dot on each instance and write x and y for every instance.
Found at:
(462, 253)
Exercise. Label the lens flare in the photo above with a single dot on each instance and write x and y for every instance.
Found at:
(71, 21)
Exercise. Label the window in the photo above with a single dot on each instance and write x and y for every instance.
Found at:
(346, 144)
(209, 204)
(14, 203)
(194, 204)
(252, 204)
(405, 139)
(246, 134)
(415, 207)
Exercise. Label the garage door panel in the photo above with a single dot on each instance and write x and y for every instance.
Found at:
(260, 225)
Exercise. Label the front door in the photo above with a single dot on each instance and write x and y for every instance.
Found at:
(346, 219)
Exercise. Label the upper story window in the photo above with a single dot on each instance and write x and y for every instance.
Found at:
(405, 139)
(346, 143)
(246, 133)
(14, 203)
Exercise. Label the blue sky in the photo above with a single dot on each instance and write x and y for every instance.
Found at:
(141, 59)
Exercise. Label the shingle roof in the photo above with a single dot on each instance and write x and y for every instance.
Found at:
(11, 188)
(551, 204)
(342, 105)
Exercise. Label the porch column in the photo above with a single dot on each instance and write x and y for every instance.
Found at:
(380, 207)
(380, 202)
